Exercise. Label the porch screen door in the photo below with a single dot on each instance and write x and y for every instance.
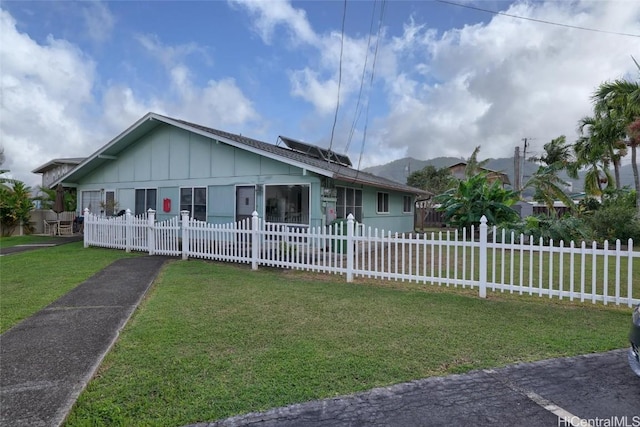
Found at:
(245, 202)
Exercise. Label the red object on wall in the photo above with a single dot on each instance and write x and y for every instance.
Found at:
(166, 205)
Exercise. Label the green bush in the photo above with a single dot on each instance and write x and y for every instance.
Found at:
(15, 206)
(474, 197)
(566, 228)
(615, 221)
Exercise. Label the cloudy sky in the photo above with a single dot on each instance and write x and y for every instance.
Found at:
(413, 78)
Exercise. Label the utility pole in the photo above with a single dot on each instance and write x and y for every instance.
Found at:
(524, 159)
(516, 169)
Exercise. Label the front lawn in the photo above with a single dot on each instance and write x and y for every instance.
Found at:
(213, 340)
(29, 281)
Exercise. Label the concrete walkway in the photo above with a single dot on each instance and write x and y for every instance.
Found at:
(48, 359)
(53, 241)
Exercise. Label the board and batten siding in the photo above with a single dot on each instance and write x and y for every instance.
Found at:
(169, 158)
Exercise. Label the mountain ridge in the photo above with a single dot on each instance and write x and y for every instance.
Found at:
(398, 170)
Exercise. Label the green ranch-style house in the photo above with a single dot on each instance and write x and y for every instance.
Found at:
(170, 165)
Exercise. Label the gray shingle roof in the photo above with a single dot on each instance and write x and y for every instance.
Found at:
(336, 171)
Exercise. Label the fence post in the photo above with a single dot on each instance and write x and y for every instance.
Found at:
(350, 251)
(85, 229)
(151, 234)
(127, 230)
(255, 240)
(185, 234)
(483, 257)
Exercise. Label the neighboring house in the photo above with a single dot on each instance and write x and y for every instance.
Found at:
(55, 169)
(170, 165)
(458, 170)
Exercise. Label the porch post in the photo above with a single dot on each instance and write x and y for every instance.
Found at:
(255, 240)
(151, 235)
(185, 234)
(85, 229)
(483, 257)
(350, 251)
(128, 235)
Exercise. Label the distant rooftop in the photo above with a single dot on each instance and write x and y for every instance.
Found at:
(52, 164)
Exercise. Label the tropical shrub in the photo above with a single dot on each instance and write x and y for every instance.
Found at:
(15, 206)
(474, 197)
(615, 221)
(567, 228)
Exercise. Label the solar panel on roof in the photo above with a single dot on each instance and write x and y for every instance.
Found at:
(316, 152)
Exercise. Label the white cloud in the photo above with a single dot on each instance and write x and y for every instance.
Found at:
(120, 109)
(99, 21)
(45, 90)
(219, 103)
(170, 55)
(272, 14)
(494, 84)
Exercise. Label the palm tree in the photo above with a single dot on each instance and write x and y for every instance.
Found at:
(4, 181)
(634, 142)
(548, 186)
(620, 101)
(474, 166)
(593, 153)
(608, 134)
(557, 152)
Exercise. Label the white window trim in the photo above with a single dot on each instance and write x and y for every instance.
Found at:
(411, 205)
(206, 199)
(135, 190)
(379, 212)
(361, 206)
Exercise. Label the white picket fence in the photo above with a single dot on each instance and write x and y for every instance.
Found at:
(573, 271)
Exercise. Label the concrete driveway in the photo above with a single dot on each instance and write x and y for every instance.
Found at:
(596, 390)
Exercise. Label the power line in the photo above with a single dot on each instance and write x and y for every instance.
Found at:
(356, 115)
(335, 117)
(538, 20)
(373, 67)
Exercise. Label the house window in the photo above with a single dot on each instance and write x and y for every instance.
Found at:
(383, 202)
(287, 204)
(145, 200)
(194, 200)
(91, 200)
(110, 205)
(349, 201)
(407, 204)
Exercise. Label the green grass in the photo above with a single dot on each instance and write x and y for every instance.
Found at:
(213, 340)
(31, 280)
(7, 242)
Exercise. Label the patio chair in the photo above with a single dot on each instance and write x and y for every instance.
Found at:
(67, 216)
(50, 227)
(65, 228)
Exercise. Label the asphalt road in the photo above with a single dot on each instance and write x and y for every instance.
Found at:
(596, 390)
